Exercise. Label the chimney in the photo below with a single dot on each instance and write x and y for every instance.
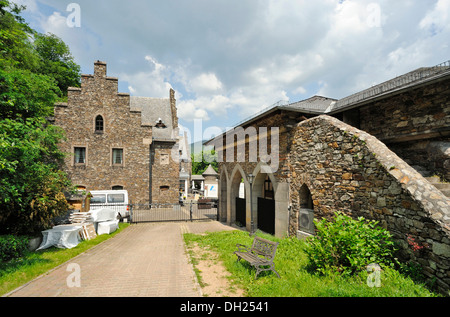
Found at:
(173, 107)
(99, 69)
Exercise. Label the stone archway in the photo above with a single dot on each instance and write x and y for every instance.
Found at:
(223, 193)
(280, 199)
(238, 208)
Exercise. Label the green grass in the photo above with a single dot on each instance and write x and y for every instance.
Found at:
(291, 263)
(20, 271)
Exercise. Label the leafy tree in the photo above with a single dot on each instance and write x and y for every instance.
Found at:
(55, 60)
(16, 46)
(24, 94)
(201, 161)
(34, 70)
(24, 48)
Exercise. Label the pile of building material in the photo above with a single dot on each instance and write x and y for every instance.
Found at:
(81, 217)
(88, 231)
(95, 222)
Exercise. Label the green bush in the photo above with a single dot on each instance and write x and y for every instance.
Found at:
(12, 247)
(348, 245)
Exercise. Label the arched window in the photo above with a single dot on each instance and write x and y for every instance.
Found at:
(306, 212)
(99, 124)
(306, 201)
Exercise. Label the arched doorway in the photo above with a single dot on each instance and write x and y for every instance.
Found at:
(223, 183)
(238, 195)
(266, 206)
(263, 201)
(306, 212)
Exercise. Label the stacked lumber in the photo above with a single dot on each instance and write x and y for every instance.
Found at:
(84, 219)
(88, 231)
(80, 217)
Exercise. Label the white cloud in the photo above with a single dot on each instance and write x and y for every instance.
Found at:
(188, 111)
(438, 18)
(227, 61)
(205, 84)
(151, 81)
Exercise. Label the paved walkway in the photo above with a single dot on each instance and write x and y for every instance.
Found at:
(143, 260)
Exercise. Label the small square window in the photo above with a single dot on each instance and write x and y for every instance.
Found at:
(164, 159)
(117, 156)
(80, 155)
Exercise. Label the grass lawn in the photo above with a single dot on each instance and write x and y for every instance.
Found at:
(296, 281)
(20, 271)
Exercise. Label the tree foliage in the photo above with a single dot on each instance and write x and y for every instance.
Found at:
(201, 161)
(35, 70)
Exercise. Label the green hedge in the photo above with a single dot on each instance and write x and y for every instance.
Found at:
(12, 247)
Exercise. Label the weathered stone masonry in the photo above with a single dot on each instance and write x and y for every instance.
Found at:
(326, 164)
(349, 170)
(126, 127)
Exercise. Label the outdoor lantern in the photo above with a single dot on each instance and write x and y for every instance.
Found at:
(251, 178)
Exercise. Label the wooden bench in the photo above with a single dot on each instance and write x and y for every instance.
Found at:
(260, 255)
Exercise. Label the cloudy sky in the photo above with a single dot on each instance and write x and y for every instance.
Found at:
(228, 59)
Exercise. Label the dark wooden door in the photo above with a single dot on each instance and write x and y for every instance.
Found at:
(266, 215)
(240, 211)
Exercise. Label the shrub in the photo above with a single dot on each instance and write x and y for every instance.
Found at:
(348, 246)
(12, 247)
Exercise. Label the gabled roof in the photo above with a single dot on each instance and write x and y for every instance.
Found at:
(315, 105)
(154, 110)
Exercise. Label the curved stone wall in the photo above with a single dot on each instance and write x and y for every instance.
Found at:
(349, 170)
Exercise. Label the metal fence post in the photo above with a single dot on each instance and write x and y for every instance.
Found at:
(190, 211)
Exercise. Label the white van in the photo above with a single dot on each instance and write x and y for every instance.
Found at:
(111, 199)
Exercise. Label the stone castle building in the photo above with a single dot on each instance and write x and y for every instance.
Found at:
(118, 141)
(382, 153)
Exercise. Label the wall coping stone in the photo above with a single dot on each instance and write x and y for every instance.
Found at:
(433, 201)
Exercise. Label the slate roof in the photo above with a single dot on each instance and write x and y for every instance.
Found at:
(210, 171)
(315, 104)
(154, 110)
(409, 80)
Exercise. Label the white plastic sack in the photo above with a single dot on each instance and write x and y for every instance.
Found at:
(104, 214)
(64, 237)
(107, 227)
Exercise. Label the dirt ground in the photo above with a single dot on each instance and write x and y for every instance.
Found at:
(214, 278)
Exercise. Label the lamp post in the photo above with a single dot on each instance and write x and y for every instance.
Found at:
(250, 180)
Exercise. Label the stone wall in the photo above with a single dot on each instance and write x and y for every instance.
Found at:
(123, 129)
(408, 122)
(165, 171)
(349, 170)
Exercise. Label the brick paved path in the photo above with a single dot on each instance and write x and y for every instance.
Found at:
(143, 260)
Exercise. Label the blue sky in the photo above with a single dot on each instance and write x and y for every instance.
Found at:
(228, 59)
